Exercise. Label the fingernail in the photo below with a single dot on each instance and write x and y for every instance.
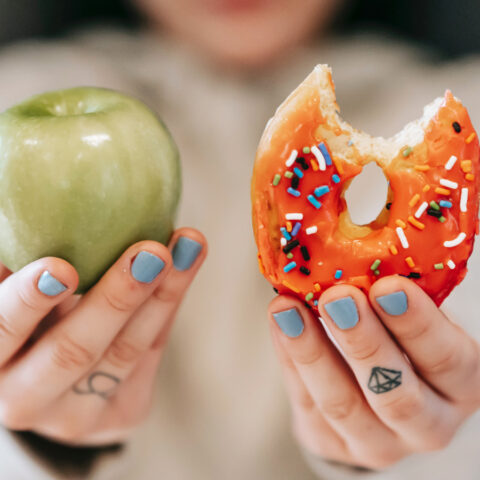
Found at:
(146, 267)
(394, 303)
(343, 312)
(49, 285)
(290, 322)
(185, 252)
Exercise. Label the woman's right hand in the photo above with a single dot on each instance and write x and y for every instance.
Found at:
(81, 370)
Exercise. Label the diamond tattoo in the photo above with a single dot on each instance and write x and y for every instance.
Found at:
(384, 379)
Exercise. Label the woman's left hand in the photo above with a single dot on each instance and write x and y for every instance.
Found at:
(372, 405)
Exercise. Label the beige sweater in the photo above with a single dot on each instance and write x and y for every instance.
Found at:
(220, 411)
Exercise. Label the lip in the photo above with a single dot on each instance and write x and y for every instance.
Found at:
(235, 6)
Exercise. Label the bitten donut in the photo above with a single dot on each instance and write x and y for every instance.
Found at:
(307, 158)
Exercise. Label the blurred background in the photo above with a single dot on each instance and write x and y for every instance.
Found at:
(450, 27)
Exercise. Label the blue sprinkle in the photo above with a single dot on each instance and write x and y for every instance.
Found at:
(289, 266)
(322, 190)
(350, 143)
(296, 228)
(298, 172)
(338, 274)
(293, 192)
(325, 153)
(285, 233)
(445, 203)
(335, 178)
(314, 201)
(315, 302)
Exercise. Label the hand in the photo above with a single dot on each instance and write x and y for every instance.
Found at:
(83, 373)
(370, 406)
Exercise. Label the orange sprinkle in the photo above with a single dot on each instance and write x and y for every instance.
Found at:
(338, 131)
(338, 165)
(290, 286)
(470, 176)
(416, 223)
(426, 188)
(314, 165)
(317, 287)
(393, 249)
(289, 226)
(466, 165)
(260, 265)
(409, 261)
(470, 138)
(414, 200)
(442, 191)
(400, 223)
(422, 168)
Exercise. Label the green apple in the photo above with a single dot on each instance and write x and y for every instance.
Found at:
(84, 173)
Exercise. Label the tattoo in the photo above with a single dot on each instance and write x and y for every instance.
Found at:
(98, 383)
(384, 379)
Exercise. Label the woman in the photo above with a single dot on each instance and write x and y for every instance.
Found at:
(215, 70)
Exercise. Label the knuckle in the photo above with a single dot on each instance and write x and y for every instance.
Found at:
(383, 460)
(119, 302)
(437, 442)
(166, 295)
(416, 331)
(123, 352)
(365, 352)
(405, 406)
(339, 408)
(448, 361)
(308, 357)
(14, 416)
(9, 329)
(70, 355)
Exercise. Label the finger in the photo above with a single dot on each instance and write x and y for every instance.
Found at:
(330, 383)
(27, 296)
(396, 394)
(77, 342)
(441, 351)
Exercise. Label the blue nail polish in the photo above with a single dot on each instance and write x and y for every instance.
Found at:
(49, 285)
(290, 322)
(343, 312)
(185, 252)
(394, 303)
(146, 267)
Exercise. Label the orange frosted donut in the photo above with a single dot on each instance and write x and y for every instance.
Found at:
(307, 158)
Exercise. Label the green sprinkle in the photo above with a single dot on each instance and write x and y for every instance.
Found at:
(308, 296)
(435, 205)
(276, 179)
(306, 150)
(289, 255)
(375, 264)
(441, 219)
(407, 151)
(438, 266)
(289, 174)
(377, 272)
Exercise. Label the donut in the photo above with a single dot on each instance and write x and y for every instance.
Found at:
(305, 162)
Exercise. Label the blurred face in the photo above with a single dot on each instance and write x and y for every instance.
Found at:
(242, 33)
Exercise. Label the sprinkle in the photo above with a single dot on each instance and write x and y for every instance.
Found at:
(260, 265)
(305, 271)
(290, 255)
(291, 159)
(442, 191)
(338, 165)
(290, 246)
(422, 168)
(469, 176)
(305, 253)
(413, 201)
(456, 241)
(289, 226)
(388, 205)
(311, 230)
(375, 264)
(442, 219)
(434, 205)
(409, 261)
(289, 266)
(456, 126)
(314, 165)
(288, 174)
(276, 179)
(407, 151)
(448, 183)
(463, 200)
(338, 274)
(318, 155)
(401, 236)
(393, 250)
(413, 275)
(335, 178)
(376, 272)
(451, 162)
(315, 302)
(400, 223)
(308, 296)
(438, 266)
(426, 188)
(421, 209)
(295, 183)
(290, 286)
(314, 201)
(416, 223)
(293, 192)
(451, 264)
(302, 162)
(285, 233)
(306, 150)
(317, 287)
(466, 165)
(298, 172)
(326, 155)
(294, 216)
(445, 204)
(283, 241)
(470, 138)
(322, 190)
(350, 143)
(296, 229)
(434, 213)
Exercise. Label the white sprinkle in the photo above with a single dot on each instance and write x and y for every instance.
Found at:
(421, 210)
(294, 216)
(448, 183)
(451, 162)
(319, 156)
(402, 237)
(291, 158)
(456, 241)
(283, 241)
(464, 199)
(451, 264)
(311, 230)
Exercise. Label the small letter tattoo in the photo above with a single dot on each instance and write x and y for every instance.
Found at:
(98, 383)
(384, 379)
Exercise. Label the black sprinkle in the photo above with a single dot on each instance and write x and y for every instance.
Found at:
(307, 305)
(456, 126)
(290, 246)
(388, 205)
(305, 254)
(434, 213)
(295, 182)
(302, 162)
(304, 270)
(275, 290)
(413, 275)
